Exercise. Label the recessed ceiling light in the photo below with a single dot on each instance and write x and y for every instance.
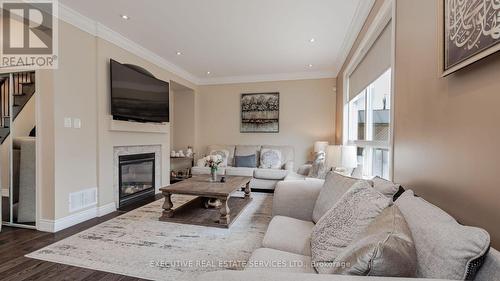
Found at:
(208, 72)
(125, 17)
(312, 40)
(310, 65)
(179, 53)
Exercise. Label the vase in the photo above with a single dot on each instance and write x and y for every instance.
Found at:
(213, 174)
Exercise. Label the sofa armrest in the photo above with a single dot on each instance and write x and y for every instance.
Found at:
(296, 198)
(266, 275)
(304, 169)
(289, 166)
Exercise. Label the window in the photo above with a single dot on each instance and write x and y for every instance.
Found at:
(369, 122)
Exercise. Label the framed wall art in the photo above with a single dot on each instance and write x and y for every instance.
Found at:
(471, 32)
(260, 113)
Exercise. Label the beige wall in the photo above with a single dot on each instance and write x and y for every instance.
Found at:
(77, 159)
(45, 138)
(183, 119)
(75, 97)
(445, 129)
(307, 113)
(108, 139)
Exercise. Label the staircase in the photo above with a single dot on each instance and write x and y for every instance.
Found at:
(23, 88)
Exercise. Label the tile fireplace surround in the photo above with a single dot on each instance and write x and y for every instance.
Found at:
(136, 149)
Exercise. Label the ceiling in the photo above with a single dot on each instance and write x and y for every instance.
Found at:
(237, 40)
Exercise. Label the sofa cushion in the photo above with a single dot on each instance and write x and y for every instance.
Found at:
(270, 159)
(249, 161)
(289, 234)
(287, 153)
(388, 188)
(206, 170)
(445, 249)
(263, 184)
(385, 248)
(275, 260)
(230, 148)
(334, 187)
(347, 219)
(239, 171)
(491, 267)
(270, 174)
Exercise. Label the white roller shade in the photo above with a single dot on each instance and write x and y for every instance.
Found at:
(374, 64)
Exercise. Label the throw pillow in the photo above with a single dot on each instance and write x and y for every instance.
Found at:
(388, 188)
(270, 159)
(318, 168)
(346, 220)
(445, 249)
(223, 153)
(249, 161)
(334, 187)
(385, 248)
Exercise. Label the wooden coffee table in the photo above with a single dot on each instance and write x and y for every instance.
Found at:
(194, 212)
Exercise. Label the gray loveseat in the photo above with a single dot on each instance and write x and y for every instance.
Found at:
(288, 240)
(262, 178)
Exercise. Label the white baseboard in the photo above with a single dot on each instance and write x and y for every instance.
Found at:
(106, 209)
(73, 219)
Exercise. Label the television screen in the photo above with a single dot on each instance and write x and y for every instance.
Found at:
(137, 96)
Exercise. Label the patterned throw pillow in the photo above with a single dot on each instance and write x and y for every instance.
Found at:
(223, 153)
(318, 169)
(270, 159)
(334, 187)
(385, 248)
(345, 221)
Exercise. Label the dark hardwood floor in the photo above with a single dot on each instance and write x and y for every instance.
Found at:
(17, 242)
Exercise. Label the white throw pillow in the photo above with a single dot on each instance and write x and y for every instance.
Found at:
(270, 159)
(346, 220)
(223, 153)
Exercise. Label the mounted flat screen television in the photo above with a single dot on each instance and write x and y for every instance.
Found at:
(137, 95)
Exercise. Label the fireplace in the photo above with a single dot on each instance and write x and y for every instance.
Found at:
(136, 176)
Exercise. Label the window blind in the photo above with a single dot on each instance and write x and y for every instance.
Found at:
(376, 61)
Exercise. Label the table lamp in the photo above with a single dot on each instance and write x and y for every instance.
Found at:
(341, 157)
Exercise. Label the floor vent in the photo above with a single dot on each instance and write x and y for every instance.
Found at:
(82, 199)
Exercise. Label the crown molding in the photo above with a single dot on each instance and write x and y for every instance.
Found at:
(99, 30)
(362, 11)
(268, 77)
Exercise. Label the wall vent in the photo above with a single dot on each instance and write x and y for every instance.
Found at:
(82, 199)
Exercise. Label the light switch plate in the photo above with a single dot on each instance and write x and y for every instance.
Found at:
(77, 123)
(67, 122)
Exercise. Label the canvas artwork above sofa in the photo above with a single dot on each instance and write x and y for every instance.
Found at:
(266, 164)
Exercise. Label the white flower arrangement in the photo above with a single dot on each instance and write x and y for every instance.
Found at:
(213, 161)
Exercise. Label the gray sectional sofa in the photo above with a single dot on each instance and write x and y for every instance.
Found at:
(440, 242)
(262, 178)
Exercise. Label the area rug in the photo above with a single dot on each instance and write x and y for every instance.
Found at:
(137, 244)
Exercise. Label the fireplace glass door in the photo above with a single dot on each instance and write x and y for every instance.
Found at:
(137, 177)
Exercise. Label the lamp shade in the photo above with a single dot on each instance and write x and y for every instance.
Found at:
(340, 156)
(320, 146)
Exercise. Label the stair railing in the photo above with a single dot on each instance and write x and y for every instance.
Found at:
(5, 101)
(18, 80)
